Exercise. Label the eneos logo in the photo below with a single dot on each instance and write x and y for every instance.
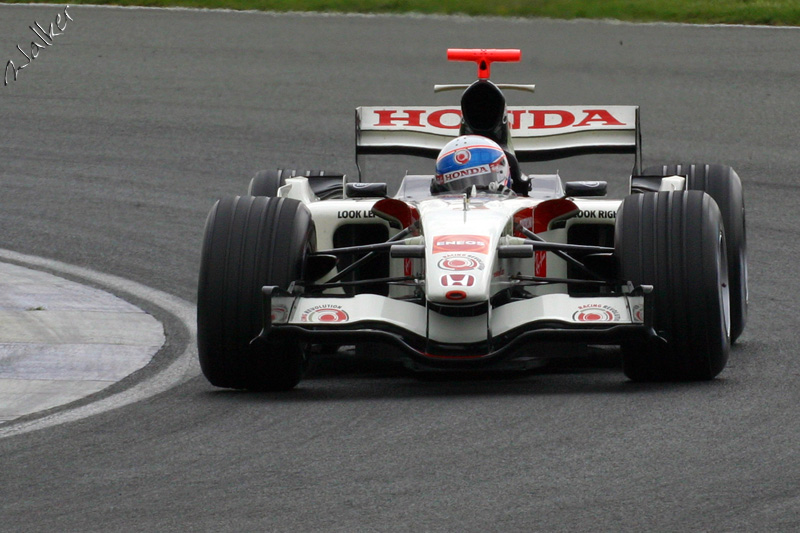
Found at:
(477, 244)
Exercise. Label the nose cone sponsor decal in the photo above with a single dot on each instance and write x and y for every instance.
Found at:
(458, 280)
(596, 313)
(459, 263)
(325, 314)
(477, 244)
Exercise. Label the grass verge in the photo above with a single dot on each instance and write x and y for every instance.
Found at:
(766, 12)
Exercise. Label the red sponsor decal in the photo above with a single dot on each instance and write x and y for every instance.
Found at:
(551, 119)
(596, 313)
(519, 119)
(461, 243)
(391, 117)
(278, 314)
(540, 264)
(462, 156)
(325, 313)
(458, 280)
(453, 123)
(460, 263)
(523, 217)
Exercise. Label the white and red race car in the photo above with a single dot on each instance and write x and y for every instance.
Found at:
(485, 276)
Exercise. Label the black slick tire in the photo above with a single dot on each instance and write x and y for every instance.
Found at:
(267, 182)
(675, 241)
(723, 184)
(249, 242)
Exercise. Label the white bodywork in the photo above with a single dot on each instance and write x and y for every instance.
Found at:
(461, 238)
(460, 296)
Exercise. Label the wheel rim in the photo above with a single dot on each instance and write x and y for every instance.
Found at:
(724, 284)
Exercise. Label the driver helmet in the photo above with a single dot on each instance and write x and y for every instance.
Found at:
(471, 160)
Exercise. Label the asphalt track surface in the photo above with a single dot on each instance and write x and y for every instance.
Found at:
(117, 139)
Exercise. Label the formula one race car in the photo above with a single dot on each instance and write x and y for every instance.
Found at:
(478, 265)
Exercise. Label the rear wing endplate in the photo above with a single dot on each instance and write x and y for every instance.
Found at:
(537, 133)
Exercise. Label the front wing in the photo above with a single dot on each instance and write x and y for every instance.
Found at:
(432, 336)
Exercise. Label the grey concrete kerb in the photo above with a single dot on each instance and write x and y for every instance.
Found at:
(61, 341)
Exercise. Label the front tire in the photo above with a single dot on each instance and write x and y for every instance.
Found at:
(723, 184)
(675, 241)
(249, 242)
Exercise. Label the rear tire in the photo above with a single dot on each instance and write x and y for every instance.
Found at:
(723, 184)
(249, 242)
(267, 182)
(675, 241)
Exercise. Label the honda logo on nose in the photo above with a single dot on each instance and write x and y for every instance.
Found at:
(458, 280)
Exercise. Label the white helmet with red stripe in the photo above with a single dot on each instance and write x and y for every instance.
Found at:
(471, 160)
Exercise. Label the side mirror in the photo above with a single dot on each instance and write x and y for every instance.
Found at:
(585, 188)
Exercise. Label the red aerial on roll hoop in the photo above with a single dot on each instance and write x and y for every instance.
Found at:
(484, 57)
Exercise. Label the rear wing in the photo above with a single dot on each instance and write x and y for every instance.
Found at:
(537, 133)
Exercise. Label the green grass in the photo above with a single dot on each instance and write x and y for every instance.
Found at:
(769, 12)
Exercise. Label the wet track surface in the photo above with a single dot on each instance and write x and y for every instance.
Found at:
(118, 138)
